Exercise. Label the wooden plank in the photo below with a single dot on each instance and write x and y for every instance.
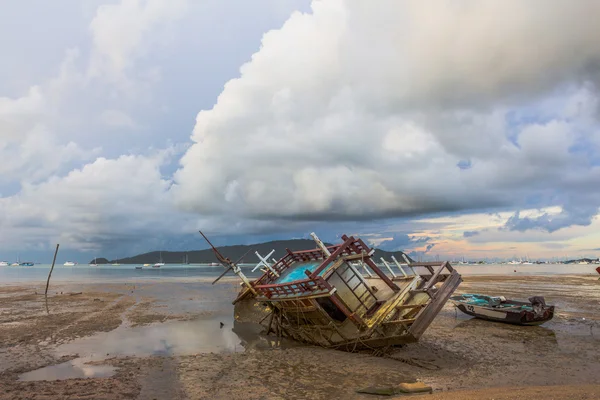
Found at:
(340, 304)
(422, 291)
(432, 310)
(332, 257)
(434, 277)
(407, 306)
(376, 269)
(401, 321)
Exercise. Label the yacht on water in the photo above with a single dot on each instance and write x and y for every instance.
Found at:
(116, 263)
(160, 262)
(70, 264)
(4, 264)
(94, 264)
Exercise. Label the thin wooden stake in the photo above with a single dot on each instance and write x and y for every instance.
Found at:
(51, 268)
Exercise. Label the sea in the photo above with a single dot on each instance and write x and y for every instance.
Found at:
(202, 272)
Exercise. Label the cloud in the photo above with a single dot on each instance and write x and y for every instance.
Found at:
(123, 32)
(469, 234)
(369, 112)
(117, 119)
(404, 242)
(578, 214)
(108, 200)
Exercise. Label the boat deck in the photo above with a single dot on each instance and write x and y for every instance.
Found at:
(297, 271)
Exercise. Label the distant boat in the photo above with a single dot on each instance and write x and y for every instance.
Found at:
(15, 264)
(138, 267)
(147, 265)
(4, 264)
(160, 262)
(27, 264)
(69, 264)
(583, 262)
(94, 264)
(116, 263)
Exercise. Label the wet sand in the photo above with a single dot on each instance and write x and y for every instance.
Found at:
(164, 340)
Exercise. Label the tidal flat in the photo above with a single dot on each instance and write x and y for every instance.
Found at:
(179, 340)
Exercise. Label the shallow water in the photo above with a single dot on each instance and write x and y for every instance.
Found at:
(169, 338)
(69, 370)
(166, 339)
(178, 272)
(110, 273)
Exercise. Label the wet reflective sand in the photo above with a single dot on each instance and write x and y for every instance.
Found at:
(165, 340)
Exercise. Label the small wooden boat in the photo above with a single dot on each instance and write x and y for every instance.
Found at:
(499, 309)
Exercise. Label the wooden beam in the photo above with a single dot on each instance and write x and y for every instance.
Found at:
(332, 257)
(430, 312)
(388, 267)
(340, 304)
(434, 277)
(400, 321)
(405, 306)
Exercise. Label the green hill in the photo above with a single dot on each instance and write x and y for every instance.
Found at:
(234, 253)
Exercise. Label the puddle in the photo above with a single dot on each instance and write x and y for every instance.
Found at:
(173, 338)
(69, 370)
(166, 339)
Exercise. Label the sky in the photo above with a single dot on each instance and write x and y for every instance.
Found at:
(466, 130)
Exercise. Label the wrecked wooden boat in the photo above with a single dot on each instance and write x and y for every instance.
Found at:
(338, 297)
(499, 309)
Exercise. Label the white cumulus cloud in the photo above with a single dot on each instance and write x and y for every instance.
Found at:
(395, 108)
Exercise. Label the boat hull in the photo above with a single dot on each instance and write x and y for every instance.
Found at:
(515, 317)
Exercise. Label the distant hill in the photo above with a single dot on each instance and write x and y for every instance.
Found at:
(234, 253)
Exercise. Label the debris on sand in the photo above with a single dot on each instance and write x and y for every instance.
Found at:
(403, 388)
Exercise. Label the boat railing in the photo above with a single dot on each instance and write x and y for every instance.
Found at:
(298, 288)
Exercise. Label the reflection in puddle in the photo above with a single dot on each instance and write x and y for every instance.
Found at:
(169, 338)
(173, 338)
(69, 370)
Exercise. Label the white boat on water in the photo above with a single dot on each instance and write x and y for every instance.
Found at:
(160, 263)
(4, 264)
(94, 264)
(70, 264)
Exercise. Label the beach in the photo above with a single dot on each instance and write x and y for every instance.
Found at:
(162, 339)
